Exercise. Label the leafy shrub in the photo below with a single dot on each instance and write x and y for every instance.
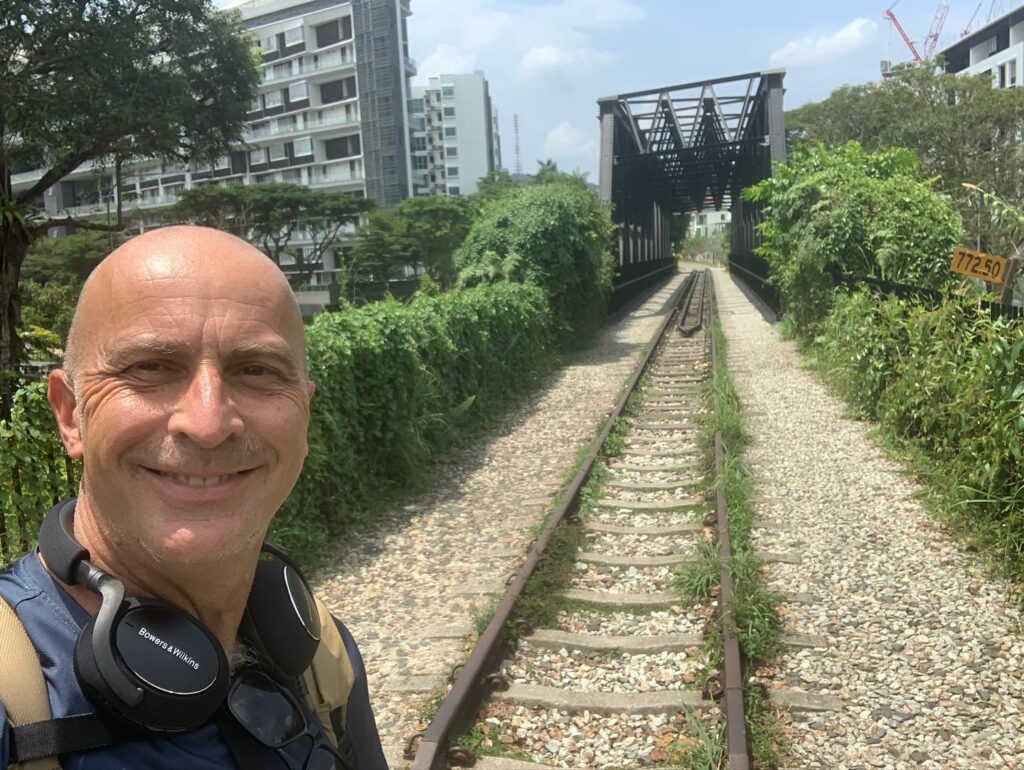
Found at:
(948, 381)
(859, 213)
(34, 474)
(393, 381)
(556, 236)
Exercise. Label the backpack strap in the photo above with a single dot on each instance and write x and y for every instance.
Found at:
(330, 677)
(22, 687)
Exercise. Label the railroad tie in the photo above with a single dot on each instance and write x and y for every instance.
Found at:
(658, 702)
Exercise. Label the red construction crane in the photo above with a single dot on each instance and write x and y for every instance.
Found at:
(899, 28)
(970, 24)
(931, 41)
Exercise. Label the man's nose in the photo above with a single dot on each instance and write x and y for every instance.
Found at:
(206, 413)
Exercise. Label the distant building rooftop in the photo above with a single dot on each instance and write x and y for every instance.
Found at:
(968, 51)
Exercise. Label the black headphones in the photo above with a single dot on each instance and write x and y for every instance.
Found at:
(151, 664)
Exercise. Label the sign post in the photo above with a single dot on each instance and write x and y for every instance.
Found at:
(978, 264)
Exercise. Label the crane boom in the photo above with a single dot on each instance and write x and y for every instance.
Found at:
(970, 24)
(932, 41)
(906, 39)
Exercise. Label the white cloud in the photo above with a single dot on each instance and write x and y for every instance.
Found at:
(825, 48)
(444, 59)
(550, 59)
(543, 59)
(565, 140)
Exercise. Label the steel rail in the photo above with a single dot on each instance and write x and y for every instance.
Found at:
(732, 666)
(468, 685)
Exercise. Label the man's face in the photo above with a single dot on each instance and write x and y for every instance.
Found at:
(192, 408)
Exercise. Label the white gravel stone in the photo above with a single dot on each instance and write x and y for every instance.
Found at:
(684, 619)
(925, 648)
(622, 580)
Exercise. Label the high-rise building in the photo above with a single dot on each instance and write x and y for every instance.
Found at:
(453, 134)
(331, 114)
(997, 49)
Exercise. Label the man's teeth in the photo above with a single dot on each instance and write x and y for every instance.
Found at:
(198, 481)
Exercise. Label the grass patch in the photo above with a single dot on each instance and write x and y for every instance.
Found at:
(697, 580)
(759, 623)
(702, 748)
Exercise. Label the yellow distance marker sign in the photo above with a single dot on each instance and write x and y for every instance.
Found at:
(978, 264)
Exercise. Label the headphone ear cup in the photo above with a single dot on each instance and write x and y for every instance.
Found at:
(176, 661)
(281, 621)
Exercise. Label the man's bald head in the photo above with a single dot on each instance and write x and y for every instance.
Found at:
(208, 258)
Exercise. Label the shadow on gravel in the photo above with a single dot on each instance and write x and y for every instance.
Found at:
(766, 312)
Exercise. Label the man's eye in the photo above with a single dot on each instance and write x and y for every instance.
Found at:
(255, 370)
(149, 366)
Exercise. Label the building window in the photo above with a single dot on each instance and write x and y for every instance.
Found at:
(293, 36)
(419, 143)
(327, 34)
(453, 190)
(297, 91)
(451, 152)
(342, 147)
(453, 171)
(416, 105)
(1011, 71)
(272, 99)
(420, 163)
(277, 152)
(447, 92)
(449, 112)
(302, 147)
(449, 132)
(282, 70)
(256, 157)
(338, 90)
(222, 163)
(269, 44)
(256, 105)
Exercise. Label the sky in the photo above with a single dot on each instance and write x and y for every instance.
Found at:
(549, 61)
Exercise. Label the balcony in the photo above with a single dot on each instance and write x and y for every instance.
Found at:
(334, 121)
(300, 66)
(336, 178)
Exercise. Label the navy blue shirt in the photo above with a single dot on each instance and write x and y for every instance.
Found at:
(53, 621)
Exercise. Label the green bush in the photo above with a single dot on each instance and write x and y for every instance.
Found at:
(556, 236)
(949, 383)
(393, 382)
(34, 472)
(847, 210)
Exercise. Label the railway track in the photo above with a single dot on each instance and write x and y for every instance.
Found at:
(591, 659)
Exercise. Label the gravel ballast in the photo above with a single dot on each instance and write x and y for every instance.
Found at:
(924, 648)
(410, 591)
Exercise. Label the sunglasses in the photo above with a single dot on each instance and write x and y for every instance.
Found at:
(273, 716)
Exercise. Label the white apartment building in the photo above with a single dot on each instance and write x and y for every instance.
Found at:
(708, 222)
(453, 134)
(996, 49)
(331, 114)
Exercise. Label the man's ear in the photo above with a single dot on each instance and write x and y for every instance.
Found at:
(310, 388)
(61, 396)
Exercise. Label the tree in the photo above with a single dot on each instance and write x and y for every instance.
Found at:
(961, 129)
(854, 212)
(270, 216)
(69, 259)
(107, 81)
(423, 231)
(50, 306)
(496, 185)
(548, 172)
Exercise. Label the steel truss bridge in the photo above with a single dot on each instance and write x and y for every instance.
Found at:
(690, 147)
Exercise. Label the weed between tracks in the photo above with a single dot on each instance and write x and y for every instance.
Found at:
(758, 621)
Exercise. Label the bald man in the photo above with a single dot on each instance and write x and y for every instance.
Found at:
(185, 393)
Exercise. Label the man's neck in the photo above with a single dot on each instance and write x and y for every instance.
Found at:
(216, 594)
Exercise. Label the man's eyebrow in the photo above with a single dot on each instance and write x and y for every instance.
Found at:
(281, 352)
(139, 348)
